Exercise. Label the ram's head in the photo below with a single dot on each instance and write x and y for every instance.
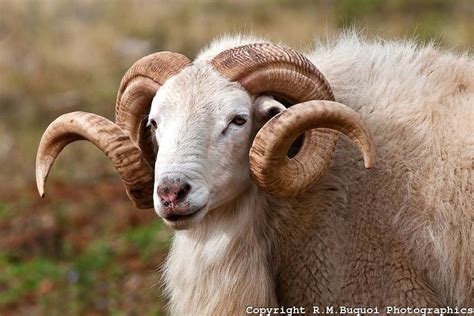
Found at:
(208, 129)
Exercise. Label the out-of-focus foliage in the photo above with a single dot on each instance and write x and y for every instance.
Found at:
(84, 249)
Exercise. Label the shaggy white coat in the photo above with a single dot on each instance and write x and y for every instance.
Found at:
(400, 233)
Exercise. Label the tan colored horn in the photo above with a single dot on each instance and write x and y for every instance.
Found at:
(272, 69)
(285, 177)
(265, 68)
(136, 173)
(137, 89)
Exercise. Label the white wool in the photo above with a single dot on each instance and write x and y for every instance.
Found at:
(397, 234)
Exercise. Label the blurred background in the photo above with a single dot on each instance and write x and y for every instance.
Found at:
(84, 249)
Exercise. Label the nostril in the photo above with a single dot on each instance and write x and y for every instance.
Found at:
(183, 191)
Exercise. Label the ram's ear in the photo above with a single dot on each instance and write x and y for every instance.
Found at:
(266, 107)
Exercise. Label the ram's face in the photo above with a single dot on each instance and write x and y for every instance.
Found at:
(204, 123)
(203, 127)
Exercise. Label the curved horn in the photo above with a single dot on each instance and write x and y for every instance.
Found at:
(136, 173)
(270, 69)
(137, 89)
(285, 177)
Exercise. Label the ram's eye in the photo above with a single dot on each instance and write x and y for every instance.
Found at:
(239, 120)
(153, 123)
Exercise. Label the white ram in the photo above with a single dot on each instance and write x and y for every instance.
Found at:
(317, 229)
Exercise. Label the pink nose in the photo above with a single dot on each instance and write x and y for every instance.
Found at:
(168, 197)
(172, 191)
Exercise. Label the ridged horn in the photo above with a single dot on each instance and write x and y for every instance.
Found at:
(285, 177)
(137, 89)
(265, 68)
(136, 173)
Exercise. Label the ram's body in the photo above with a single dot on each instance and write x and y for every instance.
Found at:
(400, 233)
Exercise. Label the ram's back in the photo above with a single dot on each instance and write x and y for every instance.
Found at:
(408, 220)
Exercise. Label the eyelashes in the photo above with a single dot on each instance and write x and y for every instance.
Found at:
(239, 120)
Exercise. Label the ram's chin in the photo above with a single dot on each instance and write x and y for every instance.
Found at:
(187, 221)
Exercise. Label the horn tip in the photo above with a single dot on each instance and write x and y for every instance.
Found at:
(40, 184)
(41, 190)
(369, 160)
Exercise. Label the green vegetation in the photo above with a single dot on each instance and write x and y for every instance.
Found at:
(146, 239)
(4, 210)
(93, 267)
(84, 249)
(25, 277)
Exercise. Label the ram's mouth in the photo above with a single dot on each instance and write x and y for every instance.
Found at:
(175, 218)
(180, 222)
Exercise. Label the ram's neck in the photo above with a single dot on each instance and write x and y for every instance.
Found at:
(221, 266)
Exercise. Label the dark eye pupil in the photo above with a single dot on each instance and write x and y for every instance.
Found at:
(153, 123)
(238, 120)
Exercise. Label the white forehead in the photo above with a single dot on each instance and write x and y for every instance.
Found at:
(199, 90)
